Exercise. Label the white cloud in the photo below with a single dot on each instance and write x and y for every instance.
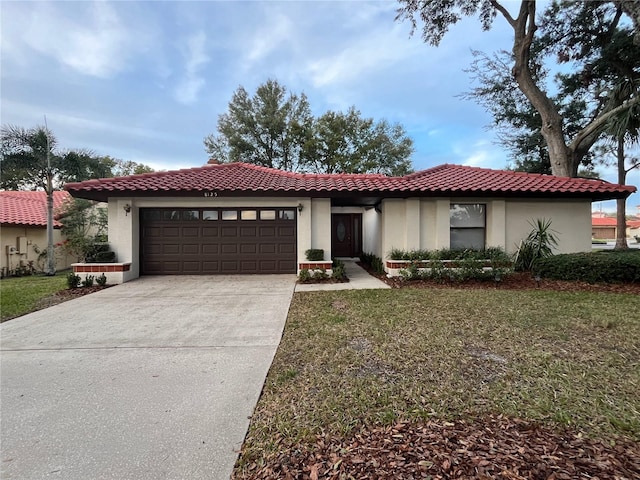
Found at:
(92, 40)
(195, 58)
(277, 31)
(378, 51)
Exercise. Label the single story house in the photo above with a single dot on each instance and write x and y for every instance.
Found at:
(23, 228)
(604, 228)
(243, 218)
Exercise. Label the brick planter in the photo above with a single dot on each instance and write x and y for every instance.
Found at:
(115, 272)
(311, 266)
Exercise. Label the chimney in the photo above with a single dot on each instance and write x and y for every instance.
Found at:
(213, 161)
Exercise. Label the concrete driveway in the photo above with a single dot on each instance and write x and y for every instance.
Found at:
(153, 379)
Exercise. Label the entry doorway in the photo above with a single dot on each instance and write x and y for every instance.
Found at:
(346, 234)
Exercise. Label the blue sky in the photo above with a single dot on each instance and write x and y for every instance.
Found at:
(146, 81)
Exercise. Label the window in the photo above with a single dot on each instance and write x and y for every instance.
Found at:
(467, 226)
(191, 215)
(287, 214)
(248, 215)
(210, 215)
(171, 215)
(229, 215)
(267, 215)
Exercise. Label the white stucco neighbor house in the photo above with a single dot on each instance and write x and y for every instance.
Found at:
(242, 218)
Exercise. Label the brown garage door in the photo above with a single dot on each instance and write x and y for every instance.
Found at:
(217, 240)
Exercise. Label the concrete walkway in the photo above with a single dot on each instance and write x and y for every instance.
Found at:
(359, 279)
(153, 379)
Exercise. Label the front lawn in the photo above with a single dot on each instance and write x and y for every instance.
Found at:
(22, 295)
(355, 362)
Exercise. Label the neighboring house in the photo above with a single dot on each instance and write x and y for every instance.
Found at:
(604, 228)
(242, 218)
(23, 228)
(633, 229)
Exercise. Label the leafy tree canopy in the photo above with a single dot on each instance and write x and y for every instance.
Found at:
(24, 166)
(569, 115)
(275, 128)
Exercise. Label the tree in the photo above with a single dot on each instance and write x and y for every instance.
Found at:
(276, 129)
(623, 129)
(29, 160)
(349, 143)
(267, 129)
(564, 156)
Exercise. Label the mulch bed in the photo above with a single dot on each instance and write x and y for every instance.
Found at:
(492, 447)
(68, 294)
(513, 281)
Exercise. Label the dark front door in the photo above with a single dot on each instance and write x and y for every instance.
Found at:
(346, 235)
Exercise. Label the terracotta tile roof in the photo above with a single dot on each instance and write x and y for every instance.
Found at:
(604, 222)
(29, 208)
(444, 179)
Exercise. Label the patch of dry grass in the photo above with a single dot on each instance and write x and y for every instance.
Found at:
(371, 357)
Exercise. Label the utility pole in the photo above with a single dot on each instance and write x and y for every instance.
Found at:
(51, 261)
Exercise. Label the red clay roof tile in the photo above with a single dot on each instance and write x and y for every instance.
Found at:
(445, 179)
(29, 208)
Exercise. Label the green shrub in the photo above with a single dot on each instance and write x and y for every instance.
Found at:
(101, 280)
(88, 281)
(375, 262)
(338, 270)
(320, 274)
(100, 253)
(595, 267)
(73, 280)
(539, 244)
(315, 254)
(304, 275)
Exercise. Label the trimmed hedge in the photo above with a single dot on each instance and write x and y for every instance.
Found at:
(315, 254)
(597, 267)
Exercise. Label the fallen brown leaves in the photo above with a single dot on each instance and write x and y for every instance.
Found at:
(492, 447)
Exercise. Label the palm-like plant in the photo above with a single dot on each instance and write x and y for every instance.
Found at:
(539, 244)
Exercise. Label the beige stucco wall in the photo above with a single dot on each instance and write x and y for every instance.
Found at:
(314, 222)
(571, 219)
(36, 237)
(424, 223)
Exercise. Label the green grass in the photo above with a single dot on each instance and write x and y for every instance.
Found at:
(371, 357)
(21, 295)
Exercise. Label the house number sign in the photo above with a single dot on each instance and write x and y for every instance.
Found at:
(210, 194)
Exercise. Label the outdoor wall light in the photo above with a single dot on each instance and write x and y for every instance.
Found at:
(300, 207)
(127, 209)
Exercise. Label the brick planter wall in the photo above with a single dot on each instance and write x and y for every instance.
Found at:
(115, 272)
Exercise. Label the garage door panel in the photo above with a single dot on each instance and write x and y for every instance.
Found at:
(286, 232)
(152, 232)
(210, 232)
(222, 241)
(248, 231)
(267, 248)
(152, 248)
(191, 267)
(170, 232)
(284, 248)
(229, 232)
(171, 267)
(229, 248)
(248, 248)
(210, 248)
(229, 266)
(209, 266)
(248, 266)
(190, 232)
(191, 249)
